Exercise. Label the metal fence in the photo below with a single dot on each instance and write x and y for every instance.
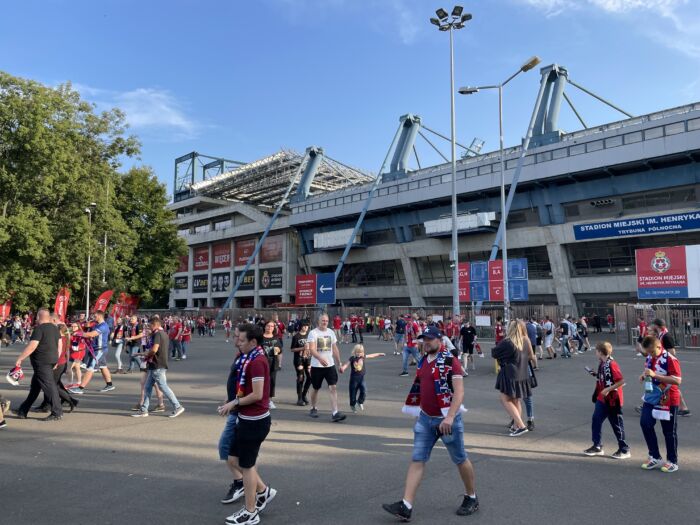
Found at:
(682, 321)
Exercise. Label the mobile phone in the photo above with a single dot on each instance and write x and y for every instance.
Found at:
(589, 369)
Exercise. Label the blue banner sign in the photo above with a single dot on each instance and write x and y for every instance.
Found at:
(658, 224)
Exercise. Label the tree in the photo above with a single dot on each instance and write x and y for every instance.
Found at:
(141, 201)
(57, 155)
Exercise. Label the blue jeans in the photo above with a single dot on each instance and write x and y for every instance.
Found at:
(357, 386)
(183, 346)
(614, 415)
(176, 350)
(227, 436)
(157, 377)
(134, 362)
(409, 350)
(647, 422)
(565, 350)
(529, 408)
(426, 434)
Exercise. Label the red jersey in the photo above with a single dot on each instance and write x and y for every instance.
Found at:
(257, 370)
(500, 333)
(428, 397)
(337, 322)
(452, 329)
(175, 331)
(642, 329)
(280, 328)
(601, 384)
(412, 332)
(666, 365)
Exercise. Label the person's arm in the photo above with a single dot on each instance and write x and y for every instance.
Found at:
(28, 350)
(336, 353)
(255, 396)
(60, 349)
(297, 349)
(666, 380)
(345, 365)
(373, 356)
(612, 387)
(457, 398)
(311, 345)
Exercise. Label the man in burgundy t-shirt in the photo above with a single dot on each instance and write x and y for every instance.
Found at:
(252, 402)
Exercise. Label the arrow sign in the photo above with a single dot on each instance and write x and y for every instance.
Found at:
(325, 291)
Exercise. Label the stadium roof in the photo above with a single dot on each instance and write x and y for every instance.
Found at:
(264, 181)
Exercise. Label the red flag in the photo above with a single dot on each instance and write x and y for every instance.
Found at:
(5, 309)
(103, 301)
(61, 306)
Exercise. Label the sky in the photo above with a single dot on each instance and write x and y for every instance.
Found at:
(243, 79)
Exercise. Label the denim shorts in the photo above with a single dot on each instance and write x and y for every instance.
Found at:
(398, 338)
(99, 360)
(425, 435)
(227, 436)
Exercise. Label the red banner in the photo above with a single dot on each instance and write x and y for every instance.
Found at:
(464, 269)
(103, 301)
(244, 249)
(222, 255)
(5, 310)
(61, 306)
(305, 289)
(271, 250)
(201, 258)
(184, 263)
(496, 280)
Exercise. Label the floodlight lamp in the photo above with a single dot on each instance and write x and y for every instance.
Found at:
(457, 11)
(435, 22)
(466, 17)
(441, 14)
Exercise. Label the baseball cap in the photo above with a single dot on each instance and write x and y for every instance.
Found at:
(430, 332)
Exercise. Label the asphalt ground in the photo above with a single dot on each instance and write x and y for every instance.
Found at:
(98, 465)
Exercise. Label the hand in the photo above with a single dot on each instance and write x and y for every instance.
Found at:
(342, 369)
(641, 378)
(605, 392)
(446, 425)
(323, 362)
(649, 373)
(18, 363)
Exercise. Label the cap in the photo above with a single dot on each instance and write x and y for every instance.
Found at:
(430, 332)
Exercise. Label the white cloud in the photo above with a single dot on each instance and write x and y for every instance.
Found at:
(673, 23)
(407, 21)
(147, 110)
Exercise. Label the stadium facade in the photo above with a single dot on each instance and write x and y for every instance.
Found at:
(584, 202)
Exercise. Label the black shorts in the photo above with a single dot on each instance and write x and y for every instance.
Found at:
(538, 340)
(640, 339)
(247, 439)
(468, 348)
(318, 374)
(301, 361)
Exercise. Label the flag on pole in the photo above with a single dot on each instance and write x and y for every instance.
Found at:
(103, 301)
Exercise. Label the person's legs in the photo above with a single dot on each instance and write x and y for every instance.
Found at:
(34, 390)
(300, 381)
(147, 389)
(671, 436)
(48, 385)
(647, 422)
(600, 413)
(424, 439)
(353, 388)
(273, 376)
(225, 445)
(159, 378)
(118, 356)
(307, 383)
(618, 427)
(333, 394)
(183, 348)
(529, 408)
(513, 410)
(362, 389)
(404, 360)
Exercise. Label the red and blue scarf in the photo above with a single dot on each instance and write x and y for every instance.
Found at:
(442, 372)
(241, 365)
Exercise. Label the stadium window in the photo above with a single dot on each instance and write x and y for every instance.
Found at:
(653, 133)
(559, 153)
(674, 129)
(694, 124)
(613, 142)
(472, 172)
(424, 183)
(595, 145)
(485, 170)
(393, 189)
(376, 273)
(577, 149)
(544, 156)
(631, 138)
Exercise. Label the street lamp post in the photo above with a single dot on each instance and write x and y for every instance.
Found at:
(527, 66)
(446, 22)
(88, 210)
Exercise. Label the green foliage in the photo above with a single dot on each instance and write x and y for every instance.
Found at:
(58, 155)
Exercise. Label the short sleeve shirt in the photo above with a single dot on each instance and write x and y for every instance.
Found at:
(103, 338)
(324, 339)
(428, 397)
(160, 360)
(47, 336)
(257, 370)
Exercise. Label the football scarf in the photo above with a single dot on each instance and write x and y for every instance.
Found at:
(442, 370)
(662, 409)
(241, 365)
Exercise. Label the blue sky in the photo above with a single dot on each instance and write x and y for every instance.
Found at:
(242, 79)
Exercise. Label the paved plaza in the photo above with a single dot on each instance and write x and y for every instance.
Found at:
(101, 466)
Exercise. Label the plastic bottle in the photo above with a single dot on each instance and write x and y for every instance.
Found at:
(648, 386)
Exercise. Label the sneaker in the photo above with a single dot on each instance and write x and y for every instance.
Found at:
(354, 410)
(362, 406)
(234, 493)
(264, 497)
(403, 374)
(651, 464)
(77, 391)
(530, 426)
(51, 417)
(272, 404)
(40, 409)
(338, 417)
(179, 410)
(3, 424)
(300, 403)
(468, 507)
(621, 454)
(684, 413)
(140, 414)
(638, 409)
(243, 517)
(184, 358)
(518, 432)
(398, 509)
(669, 468)
(313, 413)
(594, 451)
(19, 415)
(159, 408)
(136, 408)
(511, 425)
(108, 388)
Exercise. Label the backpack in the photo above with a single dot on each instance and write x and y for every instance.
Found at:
(540, 330)
(564, 328)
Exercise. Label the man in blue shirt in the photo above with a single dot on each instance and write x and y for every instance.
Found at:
(97, 356)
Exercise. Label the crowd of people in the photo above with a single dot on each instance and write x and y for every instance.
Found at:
(442, 352)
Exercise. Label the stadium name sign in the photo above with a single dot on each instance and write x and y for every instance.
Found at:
(658, 224)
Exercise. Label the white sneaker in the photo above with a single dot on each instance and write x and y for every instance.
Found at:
(263, 499)
(177, 412)
(243, 517)
(272, 404)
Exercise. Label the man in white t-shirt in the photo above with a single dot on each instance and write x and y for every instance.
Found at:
(323, 346)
